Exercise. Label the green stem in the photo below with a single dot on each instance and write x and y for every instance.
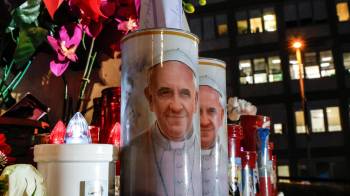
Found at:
(86, 75)
(8, 70)
(83, 41)
(22, 74)
(15, 80)
(4, 92)
(91, 65)
(89, 57)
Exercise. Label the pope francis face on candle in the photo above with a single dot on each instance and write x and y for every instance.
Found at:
(211, 115)
(172, 96)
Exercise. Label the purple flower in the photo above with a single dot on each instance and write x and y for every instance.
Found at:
(65, 46)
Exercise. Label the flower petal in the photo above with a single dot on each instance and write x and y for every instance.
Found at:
(93, 29)
(72, 57)
(76, 38)
(52, 6)
(63, 32)
(58, 68)
(54, 43)
(60, 56)
(108, 7)
(89, 8)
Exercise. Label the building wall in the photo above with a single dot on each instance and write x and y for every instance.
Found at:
(261, 68)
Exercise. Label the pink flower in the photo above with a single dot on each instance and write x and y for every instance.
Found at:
(65, 47)
(126, 26)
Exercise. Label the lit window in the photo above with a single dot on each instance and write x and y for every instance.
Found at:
(246, 74)
(242, 22)
(269, 20)
(299, 118)
(222, 29)
(277, 128)
(294, 67)
(312, 68)
(242, 26)
(283, 171)
(221, 21)
(317, 120)
(255, 25)
(333, 119)
(255, 21)
(275, 72)
(260, 75)
(326, 63)
(346, 60)
(343, 11)
(312, 72)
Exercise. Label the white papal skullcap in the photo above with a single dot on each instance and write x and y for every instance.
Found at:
(175, 55)
(206, 80)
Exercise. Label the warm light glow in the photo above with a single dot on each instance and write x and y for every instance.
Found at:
(276, 61)
(297, 44)
(343, 11)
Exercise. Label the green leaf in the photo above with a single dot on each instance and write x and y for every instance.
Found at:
(37, 35)
(25, 48)
(11, 26)
(27, 13)
(28, 40)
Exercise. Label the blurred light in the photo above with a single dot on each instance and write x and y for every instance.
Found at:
(244, 65)
(269, 17)
(77, 130)
(326, 58)
(297, 44)
(57, 134)
(293, 62)
(276, 61)
(324, 64)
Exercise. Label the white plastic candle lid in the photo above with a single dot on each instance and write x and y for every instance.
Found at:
(75, 153)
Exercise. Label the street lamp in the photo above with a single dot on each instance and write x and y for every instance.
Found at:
(298, 45)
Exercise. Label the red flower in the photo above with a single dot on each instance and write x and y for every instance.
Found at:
(5, 148)
(89, 8)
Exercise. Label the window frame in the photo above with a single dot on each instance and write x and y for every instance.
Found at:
(325, 120)
(299, 22)
(267, 66)
(215, 19)
(295, 76)
(247, 17)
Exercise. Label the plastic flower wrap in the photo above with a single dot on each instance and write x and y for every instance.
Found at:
(77, 130)
(237, 107)
(23, 179)
(57, 134)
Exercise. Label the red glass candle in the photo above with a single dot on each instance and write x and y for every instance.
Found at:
(248, 165)
(270, 148)
(110, 112)
(250, 125)
(235, 135)
(274, 175)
